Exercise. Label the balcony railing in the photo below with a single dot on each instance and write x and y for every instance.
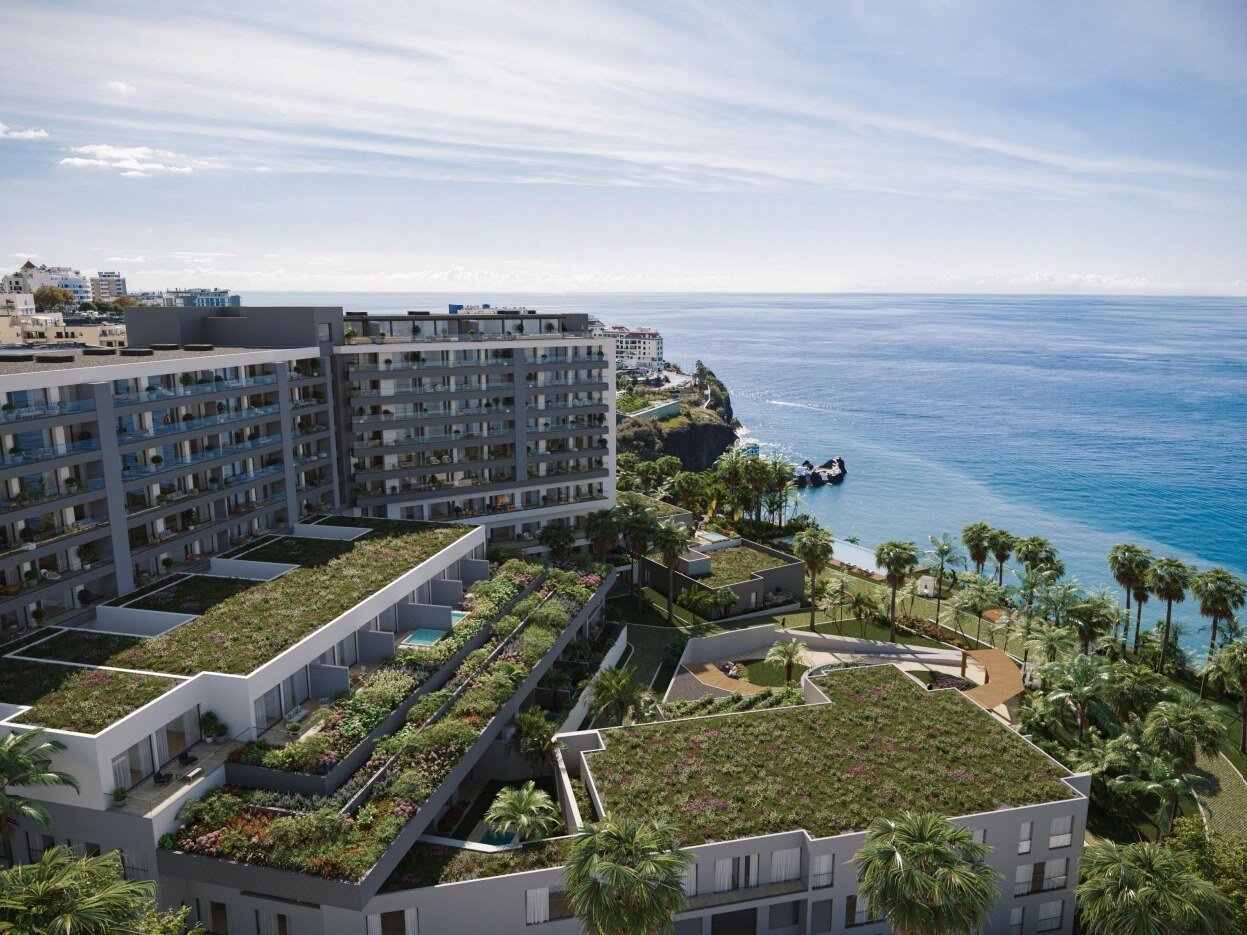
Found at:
(212, 488)
(555, 384)
(156, 394)
(22, 501)
(390, 490)
(170, 464)
(26, 413)
(494, 386)
(233, 512)
(568, 405)
(407, 365)
(434, 338)
(457, 414)
(191, 425)
(51, 535)
(34, 455)
(431, 464)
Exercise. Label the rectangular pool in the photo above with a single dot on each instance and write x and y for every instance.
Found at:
(707, 536)
(423, 637)
(457, 615)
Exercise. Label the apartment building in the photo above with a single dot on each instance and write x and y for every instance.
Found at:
(108, 286)
(189, 298)
(30, 278)
(635, 348)
(17, 303)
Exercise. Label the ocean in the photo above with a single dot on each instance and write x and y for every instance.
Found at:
(1086, 420)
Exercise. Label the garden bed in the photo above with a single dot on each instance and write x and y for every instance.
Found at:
(434, 864)
(737, 563)
(82, 646)
(193, 594)
(940, 680)
(162, 582)
(296, 550)
(76, 699)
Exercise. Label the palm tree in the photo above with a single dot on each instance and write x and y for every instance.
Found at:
(1080, 685)
(637, 528)
(1035, 553)
(815, 547)
(526, 810)
(756, 476)
(26, 760)
(909, 592)
(926, 875)
(1128, 564)
(558, 538)
(672, 540)
(1229, 663)
(1095, 615)
(1168, 579)
(976, 538)
(788, 654)
(942, 556)
(773, 500)
(870, 608)
(66, 895)
(1059, 598)
(1182, 727)
(625, 876)
(896, 559)
(1032, 583)
(1049, 641)
(1134, 689)
(615, 692)
(1000, 543)
(977, 595)
(1219, 594)
(836, 595)
(1160, 778)
(1146, 889)
(602, 531)
(534, 739)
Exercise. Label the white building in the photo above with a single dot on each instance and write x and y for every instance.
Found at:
(190, 298)
(635, 348)
(17, 303)
(31, 278)
(108, 286)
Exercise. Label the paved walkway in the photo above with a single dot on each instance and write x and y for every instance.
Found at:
(709, 673)
(1223, 794)
(1002, 684)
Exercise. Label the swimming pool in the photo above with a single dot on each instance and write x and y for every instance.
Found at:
(457, 615)
(423, 637)
(857, 555)
(707, 535)
(497, 838)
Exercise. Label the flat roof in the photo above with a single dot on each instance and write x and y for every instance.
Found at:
(81, 361)
(882, 745)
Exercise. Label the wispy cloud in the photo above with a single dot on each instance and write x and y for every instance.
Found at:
(8, 133)
(135, 161)
(120, 87)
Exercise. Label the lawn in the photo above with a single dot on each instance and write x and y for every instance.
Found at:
(72, 698)
(194, 594)
(737, 563)
(771, 674)
(889, 744)
(162, 582)
(649, 645)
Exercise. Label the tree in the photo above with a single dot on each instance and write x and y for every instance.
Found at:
(26, 760)
(942, 556)
(602, 531)
(1035, 553)
(1229, 663)
(1096, 614)
(926, 875)
(1080, 685)
(1032, 583)
(1183, 726)
(534, 739)
(788, 654)
(672, 540)
(526, 810)
(637, 528)
(1128, 564)
(977, 595)
(49, 297)
(1000, 543)
(815, 548)
(1146, 889)
(1219, 594)
(976, 538)
(1059, 599)
(625, 876)
(1168, 579)
(1049, 641)
(896, 559)
(1161, 778)
(67, 895)
(614, 693)
(558, 538)
(836, 595)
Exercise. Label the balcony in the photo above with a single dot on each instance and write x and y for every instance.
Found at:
(303, 460)
(193, 425)
(16, 595)
(161, 393)
(556, 384)
(172, 464)
(463, 413)
(410, 365)
(25, 501)
(468, 483)
(26, 413)
(48, 453)
(165, 538)
(466, 338)
(434, 464)
(490, 386)
(547, 407)
(217, 488)
(452, 439)
(41, 539)
(745, 894)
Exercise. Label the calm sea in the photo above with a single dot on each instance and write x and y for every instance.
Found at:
(1088, 421)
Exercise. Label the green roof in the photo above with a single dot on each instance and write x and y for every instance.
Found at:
(882, 745)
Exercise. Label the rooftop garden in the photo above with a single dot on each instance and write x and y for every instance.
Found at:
(194, 594)
(162, 582)
(292, 550)
(888, 744)
(72, 698)
(736, 563)
(82, 646)
(433, 864)
(662, 508)
(418, 758)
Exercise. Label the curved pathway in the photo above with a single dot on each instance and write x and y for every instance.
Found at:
(1222, 792)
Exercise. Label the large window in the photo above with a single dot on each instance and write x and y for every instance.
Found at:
(177, 736)
(218, 918)
(1017, 918)
(1024, 839)
(1050, 915)
(785, 915)
(734, 873)
(537, 906)
(823, 871)
(1041, 877)
(272, 923)
(268, 708)
(785, 865)
(857, 911)
(133, 766)
(1061, 832)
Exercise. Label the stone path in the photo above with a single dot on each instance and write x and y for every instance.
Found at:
(1223, 794)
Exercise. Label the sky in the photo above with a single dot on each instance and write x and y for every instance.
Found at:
(822, 146)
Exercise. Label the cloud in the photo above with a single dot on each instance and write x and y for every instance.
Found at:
(6, 133)
(120, 87)
(136, 161)
(125, 259)
(25, 256)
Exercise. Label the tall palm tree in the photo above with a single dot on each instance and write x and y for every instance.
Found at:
(836, 596)
(1161, 778)
(815, 547)
(1219, 594)
(977, 595)
(534, 739)
(942, 556)
(756, 476)
(526, 810)
(869, 607)
(789, 654)
(896, 558)
(637, 527)
(1050, 642)
(615, 692)
(1134, 689)
(26, 760)
(1095, 615)
(926, 875)
(1146, 889)
(1080, 684)
(625, 876)
(1000, 543)
(1168, 579)
(976, 538)
(1229, 663)
(1059, 599)
(671, 540)
(67, 895)
(1035, 552)
(1128, 564)
(602, 531)
(1032, 584)
(1182, 727)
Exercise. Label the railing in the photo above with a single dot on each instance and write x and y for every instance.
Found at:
(301, 460)
(233, 512)
(33, 455)
(25, 413)
(439, 465)
(567, 405)
(434, 338)
(355, 367)
(440, 388)
(534, 385)
(308, 403)
(367, 444)
(158, 393)
(191, 425)
(465, 484)
(199, 457)
(214, 487)
(62, 579)
(51, 535)
(60, 493)
(400, 416)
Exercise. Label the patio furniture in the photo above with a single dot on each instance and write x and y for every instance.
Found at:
(186, 758)
(192, 775)
(163, 779)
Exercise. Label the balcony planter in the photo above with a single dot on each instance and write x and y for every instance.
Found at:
(119, 796)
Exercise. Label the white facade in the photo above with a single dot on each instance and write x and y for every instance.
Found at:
(17, 303)
(31, 278)
(636, 348)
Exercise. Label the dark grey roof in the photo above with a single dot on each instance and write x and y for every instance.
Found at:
(82, 361)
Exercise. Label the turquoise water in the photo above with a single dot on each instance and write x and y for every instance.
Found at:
(497, 838)
(708, 535)
(456, 616)
(1088, 420)
(423, 637)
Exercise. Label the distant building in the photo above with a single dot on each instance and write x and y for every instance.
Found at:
(192, 298)
(108, 286)
(17, 303)
(44, 328)
(635, 348)
(31, 278)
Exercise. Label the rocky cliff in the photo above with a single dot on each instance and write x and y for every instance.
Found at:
(697, 436)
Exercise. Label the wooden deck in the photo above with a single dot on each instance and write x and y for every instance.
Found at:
(1003, 682)
(709, 674)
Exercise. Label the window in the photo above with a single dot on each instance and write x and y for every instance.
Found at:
(560, 905)
(1017, 917)
(785, 865)
(1054, 874)
(537, 904)
(1061, 832)
(218, 918)
(857, 911)
(690, 880)
(6, 853)
(133, 766)
(1050, 916)
(734, 873)
(398, 922)
(980, 835)
(820, 916)
(785, 915)
(1022, 879)
(268, 922)
(322, 331)
(823, 872)
(1024, 839)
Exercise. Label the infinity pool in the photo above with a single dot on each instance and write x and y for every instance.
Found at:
(423, 637)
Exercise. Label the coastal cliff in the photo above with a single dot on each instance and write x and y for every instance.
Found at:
(697, 435)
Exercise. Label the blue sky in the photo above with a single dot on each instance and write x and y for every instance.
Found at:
(580, 146)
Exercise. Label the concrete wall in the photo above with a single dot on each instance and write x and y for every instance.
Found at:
(755, 639)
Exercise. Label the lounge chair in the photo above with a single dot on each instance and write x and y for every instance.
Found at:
(163, 779)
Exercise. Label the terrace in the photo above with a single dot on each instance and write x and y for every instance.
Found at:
(738, 563)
